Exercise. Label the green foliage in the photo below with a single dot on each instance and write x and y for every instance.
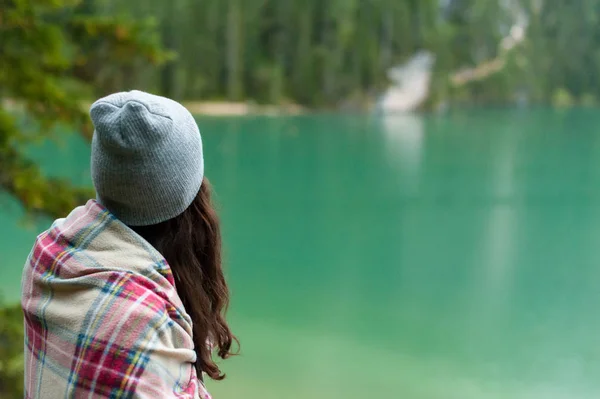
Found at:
(56, 56)
(11, 352)
(562, 98)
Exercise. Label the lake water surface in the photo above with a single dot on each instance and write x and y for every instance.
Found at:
(436, 257)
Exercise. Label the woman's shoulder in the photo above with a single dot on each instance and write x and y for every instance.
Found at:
(119, 332)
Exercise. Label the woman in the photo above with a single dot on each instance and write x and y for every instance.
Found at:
(124, 298)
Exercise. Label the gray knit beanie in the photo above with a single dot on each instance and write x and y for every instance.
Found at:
(147, 162)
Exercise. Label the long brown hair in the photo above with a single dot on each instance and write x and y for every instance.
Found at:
(191, 244)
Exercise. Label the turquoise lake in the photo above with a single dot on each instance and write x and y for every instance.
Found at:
(417, 257)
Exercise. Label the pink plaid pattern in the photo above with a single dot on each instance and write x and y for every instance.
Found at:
(102, 316)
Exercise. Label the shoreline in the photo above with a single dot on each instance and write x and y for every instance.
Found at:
(230, 108)
(205, 108)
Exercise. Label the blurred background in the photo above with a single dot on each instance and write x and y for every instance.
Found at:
(409, 188)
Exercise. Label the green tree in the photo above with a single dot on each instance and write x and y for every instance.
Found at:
(56, 56)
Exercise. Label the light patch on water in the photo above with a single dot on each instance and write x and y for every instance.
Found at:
(501, 225)
(306, 364)
(404, 145)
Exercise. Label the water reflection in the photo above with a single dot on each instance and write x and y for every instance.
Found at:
(404, 138)
(500, 232)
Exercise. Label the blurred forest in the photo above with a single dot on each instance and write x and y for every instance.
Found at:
(323, 53)
(327, 53)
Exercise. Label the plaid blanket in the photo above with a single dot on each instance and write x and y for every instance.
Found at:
(102, 316)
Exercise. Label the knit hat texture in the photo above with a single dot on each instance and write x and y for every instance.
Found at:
(147, 162)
